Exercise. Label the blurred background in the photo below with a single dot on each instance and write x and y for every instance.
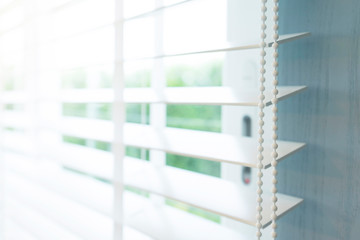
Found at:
(59, 66)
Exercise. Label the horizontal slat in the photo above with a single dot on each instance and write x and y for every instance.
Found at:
(205, 145)
(159, 222)
(9, 5)
(180, 95)
(72, 216)
(132, 234)
(13, 231)
(87, 96)
(164, 223)
(72, 95)
(14, 97)
(155, 10)
(84, 190)
(209, 193)
(88, 160)
(206, 95)
(172, 95)
(38, 225)
(87, 128)
(15, 120)
(198, 144)
(17, 141)
(67, 213)
(282, 39)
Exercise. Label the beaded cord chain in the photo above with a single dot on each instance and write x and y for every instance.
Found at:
(275, 118)
(261, 121)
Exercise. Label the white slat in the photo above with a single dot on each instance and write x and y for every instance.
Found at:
(231, 47)
(159, 222)
(87, 96)
(171, 95)
(15, 119)
(181, 95)
(17, 141)
(13, 231)
(14, 97)
(206, 95)
(87, 128)
(209, 193)
(165, 223)
(67, 213)
(198, 144)
(155, 10)
(87, 160)
(206, 145)
(72, 216)
(84, 190)
(212, 194)
(42, 228)
(132, 234)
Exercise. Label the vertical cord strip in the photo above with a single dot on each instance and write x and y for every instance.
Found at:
(261, 120)
(275, 118)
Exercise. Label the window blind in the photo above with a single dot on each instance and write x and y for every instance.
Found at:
(121, 119)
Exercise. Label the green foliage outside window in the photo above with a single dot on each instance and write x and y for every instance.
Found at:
(12, 79)
(75, 78)
(14, 107)
(138, 153)
(74, 109)
(78, 78)
(74, 140)
(106, 79)
(196, 117)
(138, 79)
(207, 74)
(138, 113)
